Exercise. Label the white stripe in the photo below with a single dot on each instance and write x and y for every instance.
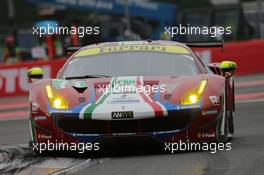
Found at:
(141, 80)
(106, 91)
(165, 112)
(81, 115)
(148, 97)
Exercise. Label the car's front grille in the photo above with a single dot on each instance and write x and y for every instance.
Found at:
(174, 121)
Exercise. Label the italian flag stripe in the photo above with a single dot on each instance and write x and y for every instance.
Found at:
(156, 107)
(88, 112)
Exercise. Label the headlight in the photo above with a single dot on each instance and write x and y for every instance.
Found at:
(194, 96)
(56, 101)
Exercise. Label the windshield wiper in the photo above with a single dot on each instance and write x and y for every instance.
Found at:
(87, 76)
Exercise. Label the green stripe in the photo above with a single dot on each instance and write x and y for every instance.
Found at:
(78, 84)
(58, 83)
(88, 112)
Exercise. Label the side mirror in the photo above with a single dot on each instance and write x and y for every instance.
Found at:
(228, 68)
(35, 72)
(215, 68)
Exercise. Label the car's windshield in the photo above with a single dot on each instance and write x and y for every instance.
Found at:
(131, 64)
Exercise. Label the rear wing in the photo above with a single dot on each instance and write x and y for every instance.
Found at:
(206, 44)
(73, 48)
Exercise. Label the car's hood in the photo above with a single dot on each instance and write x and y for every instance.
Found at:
(107, 98)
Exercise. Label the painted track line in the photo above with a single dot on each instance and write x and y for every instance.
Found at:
(250, 101)
(252, 83)
(13, 105)
(72, 169)
(250, 96)
(14, 115)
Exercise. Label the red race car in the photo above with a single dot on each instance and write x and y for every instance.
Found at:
(150, 89)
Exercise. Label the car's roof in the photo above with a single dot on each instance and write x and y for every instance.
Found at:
(155, 46)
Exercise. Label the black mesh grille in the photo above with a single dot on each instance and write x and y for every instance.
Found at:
(173, 122)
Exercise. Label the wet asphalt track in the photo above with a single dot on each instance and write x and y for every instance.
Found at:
(246, 156)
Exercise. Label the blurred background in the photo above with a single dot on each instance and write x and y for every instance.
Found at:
(120, 20)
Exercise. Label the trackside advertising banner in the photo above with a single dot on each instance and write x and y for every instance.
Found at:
(249, 56)
(13, 78)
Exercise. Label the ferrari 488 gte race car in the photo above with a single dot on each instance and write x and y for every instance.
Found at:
(153, 89)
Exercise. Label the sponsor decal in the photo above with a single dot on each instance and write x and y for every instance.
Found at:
(61, 111)
(133, 47)
(125, 134)
(42, 136)
(215, 100)
(124, 96)
(125, 101)
(123, 91)
(124, 82)
(35, 107)
(37, 118)
(206, 135)
(209, 112)
(189, 106)
(122, 114)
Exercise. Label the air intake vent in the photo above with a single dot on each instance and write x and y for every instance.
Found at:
(80, 89)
